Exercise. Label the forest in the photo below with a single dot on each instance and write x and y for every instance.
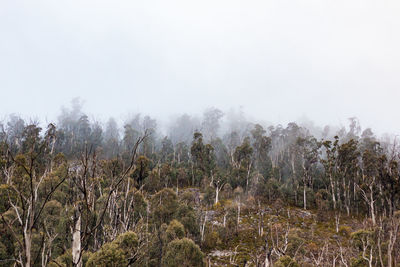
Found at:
(207, 191)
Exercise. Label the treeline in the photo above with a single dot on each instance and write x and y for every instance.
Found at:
(79, 193)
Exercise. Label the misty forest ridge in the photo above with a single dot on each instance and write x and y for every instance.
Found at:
(79, 193)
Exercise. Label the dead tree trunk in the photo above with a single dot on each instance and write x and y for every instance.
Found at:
(268, 251)
(76, 243)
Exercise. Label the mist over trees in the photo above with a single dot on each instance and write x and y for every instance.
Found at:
(212, 190)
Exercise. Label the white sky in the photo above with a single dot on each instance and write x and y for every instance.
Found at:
(279, 59)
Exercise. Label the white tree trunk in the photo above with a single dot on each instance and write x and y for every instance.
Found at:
(238, 215)
(28, 246)
(216, 194)
(28, 234)
(394, 229)
(304, 194)
(333, 192)
(337, 221)
(203, 227)
(224, 220)
(76, 243)
(371, 203)
(267, 263)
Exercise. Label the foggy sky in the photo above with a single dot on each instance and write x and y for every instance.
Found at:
(280, 60)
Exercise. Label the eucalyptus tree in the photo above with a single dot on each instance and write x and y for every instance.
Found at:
(262, 147)
(389, 180)
(30, 186)
(348, 167)
(14, 130)
(182, 152)
(369, 182)
(389, 183)
(244, 162)
(182, 129)
(330, 164)
(129, 139)
(123, 251)
(167, 153)
(219, 182)
(211, 123)
(232, 140)
(221, 154)
(354, 129)
(183, 252)
(203, 156)
(148, 147)
(111, 139)
(309, 157)
(88, 217)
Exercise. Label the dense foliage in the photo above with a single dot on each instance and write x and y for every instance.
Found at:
(77, 193)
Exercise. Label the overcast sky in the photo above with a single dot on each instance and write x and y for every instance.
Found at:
(280, 60)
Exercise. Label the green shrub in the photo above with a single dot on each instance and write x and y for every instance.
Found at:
(183, 252)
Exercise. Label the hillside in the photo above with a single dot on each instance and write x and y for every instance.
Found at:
(79, 195)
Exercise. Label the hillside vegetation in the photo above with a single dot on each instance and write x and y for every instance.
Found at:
(81, 194)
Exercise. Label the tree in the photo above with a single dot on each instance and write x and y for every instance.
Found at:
(348, 171)
(175, 230)
(167, 150)
(182, 129)
(243, 163)
(111, 139)
(130, 137)
(26, 176)
(211, 123)
(219, 182)
(203, 155)
(389, 183)
(183, 252)
(389, 180)
(330, 165)
(15, 129)
(363, 241)
(142, 170)
(262, 147)
(87, 217)
(369, 180)
(221, 153)
(309, 151)
(120, 252)
(164, 205)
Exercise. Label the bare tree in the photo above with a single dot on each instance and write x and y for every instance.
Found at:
(25, 177)
(83, 204)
